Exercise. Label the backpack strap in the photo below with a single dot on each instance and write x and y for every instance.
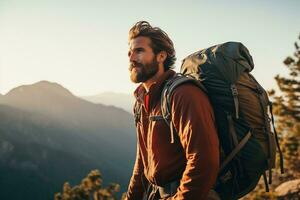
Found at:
(266, 181)
(137, 110)
(261, 101)
(234, 92)
(267, 120)
(276, 138)
(166, 94)
(235, 151)
(237, 146)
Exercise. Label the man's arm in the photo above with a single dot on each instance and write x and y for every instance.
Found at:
(136, 188)
(193, 118)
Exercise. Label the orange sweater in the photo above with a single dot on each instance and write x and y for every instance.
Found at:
(194, 156)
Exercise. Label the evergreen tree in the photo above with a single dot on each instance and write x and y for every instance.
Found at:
(287, 112)
(90, 188)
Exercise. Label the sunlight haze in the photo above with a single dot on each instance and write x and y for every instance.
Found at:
(82, 45)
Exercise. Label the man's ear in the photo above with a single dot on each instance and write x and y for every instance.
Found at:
(161, 57)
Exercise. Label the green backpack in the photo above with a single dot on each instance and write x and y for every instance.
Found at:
(241, 107)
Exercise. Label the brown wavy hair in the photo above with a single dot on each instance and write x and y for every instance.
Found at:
(160, 41)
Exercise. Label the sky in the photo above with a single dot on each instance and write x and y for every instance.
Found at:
(83, 45)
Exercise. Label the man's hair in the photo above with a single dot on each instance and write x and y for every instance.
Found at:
(160, 41)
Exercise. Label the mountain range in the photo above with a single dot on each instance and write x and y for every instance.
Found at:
(121, 100)
(49, 136)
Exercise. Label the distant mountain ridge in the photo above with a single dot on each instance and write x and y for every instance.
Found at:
(46, 130)
(54, 100)
(41, 85)
(121, 100)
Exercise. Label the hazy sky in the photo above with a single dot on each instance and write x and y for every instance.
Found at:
(83, 44)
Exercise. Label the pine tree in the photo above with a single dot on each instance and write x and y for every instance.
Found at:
(287, 113)
(90, 188)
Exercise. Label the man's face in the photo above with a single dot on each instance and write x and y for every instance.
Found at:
(143, 63)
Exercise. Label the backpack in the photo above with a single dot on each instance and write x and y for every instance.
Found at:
(242, 109)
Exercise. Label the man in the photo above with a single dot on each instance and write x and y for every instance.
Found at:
(184, 167)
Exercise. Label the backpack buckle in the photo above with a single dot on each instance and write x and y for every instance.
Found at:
(234, 90)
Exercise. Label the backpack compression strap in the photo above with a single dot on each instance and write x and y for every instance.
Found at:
(166, 93)
(276, 139)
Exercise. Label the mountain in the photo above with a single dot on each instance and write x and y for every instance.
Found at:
(121, 100)
(33, 162)
(48, 136)
(54, 100)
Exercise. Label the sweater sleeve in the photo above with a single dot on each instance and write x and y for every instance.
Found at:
(193, 119)
(136, 188)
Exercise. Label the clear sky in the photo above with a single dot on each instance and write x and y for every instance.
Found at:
(83, 44)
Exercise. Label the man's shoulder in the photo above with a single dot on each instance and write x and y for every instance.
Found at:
(189, 94)
(188, 90)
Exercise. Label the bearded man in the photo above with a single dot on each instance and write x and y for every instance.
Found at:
(184, 167)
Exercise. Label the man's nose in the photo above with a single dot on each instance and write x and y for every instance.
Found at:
(132, 57)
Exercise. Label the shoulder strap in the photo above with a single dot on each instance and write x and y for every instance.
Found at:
(137, 112)
(166, 93)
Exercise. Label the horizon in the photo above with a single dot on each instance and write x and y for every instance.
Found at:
(51, 82)
(82, 45)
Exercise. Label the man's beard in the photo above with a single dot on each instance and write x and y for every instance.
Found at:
(141, 73)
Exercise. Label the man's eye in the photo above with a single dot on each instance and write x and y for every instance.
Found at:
(139, 50)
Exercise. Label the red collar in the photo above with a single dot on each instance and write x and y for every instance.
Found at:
(153, 95)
